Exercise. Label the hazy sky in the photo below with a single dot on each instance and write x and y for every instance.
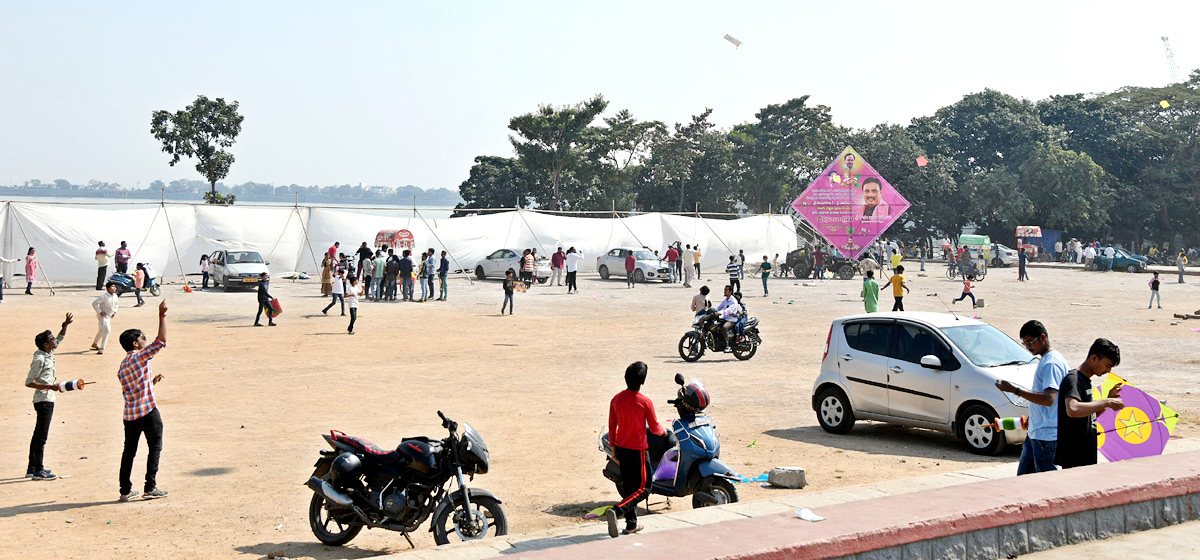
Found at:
(399, 93)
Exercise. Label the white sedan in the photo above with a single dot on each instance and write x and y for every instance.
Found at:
(497, 264)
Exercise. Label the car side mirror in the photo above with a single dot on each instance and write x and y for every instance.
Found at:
(268, 263)
(679, 379)
(932, 362)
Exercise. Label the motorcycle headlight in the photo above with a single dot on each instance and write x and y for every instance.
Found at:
(1016, 400)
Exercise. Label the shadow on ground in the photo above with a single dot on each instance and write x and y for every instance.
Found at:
(48, 507)
(889, 439)
(576, 511)
(307, 550)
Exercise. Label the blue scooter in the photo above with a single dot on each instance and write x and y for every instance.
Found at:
(686, 460)
(124, 283)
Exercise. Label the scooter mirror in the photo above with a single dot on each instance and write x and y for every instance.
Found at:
(679, 379)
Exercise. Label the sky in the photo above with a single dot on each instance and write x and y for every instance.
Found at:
(409, 93)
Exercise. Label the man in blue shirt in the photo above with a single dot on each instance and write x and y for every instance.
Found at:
(443, 271)
(1037, 454)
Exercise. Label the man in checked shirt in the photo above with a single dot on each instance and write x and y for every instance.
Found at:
(141, 413)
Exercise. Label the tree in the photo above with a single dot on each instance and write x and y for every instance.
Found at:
(615, 156)
(773, 152)
(201, 130)
(498, 182)
(553, 140)
(931, 190)
(1067, 189)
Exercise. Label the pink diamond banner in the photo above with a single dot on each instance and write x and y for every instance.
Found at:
(850, 204)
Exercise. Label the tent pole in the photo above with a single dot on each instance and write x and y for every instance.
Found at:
(27, 242)
(530, 228)
(307, 241)
(171, 232)
(439, 240)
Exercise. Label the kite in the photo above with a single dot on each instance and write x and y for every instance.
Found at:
(736, 43)
(1163, 103)
(850, 204)
(922, 162)
(1141, 429)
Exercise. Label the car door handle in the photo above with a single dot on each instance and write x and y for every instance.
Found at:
(846, 357)
(896, 369)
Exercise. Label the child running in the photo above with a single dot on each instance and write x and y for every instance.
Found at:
(967, 292)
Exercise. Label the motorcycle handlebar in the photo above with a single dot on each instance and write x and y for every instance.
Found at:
(448, 423)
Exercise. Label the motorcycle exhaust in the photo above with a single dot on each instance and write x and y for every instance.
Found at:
(328, 492)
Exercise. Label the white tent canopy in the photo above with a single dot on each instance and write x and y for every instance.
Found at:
(66, 235)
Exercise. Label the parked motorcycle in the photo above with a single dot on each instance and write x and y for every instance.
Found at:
(708, 332)
(358, 484)
(125, 283)
(687, 460)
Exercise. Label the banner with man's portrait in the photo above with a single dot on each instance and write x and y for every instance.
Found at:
(850, 204)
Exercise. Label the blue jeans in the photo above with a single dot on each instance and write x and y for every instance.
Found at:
(1036, 456)
(765, 276)
(508, 302)
(406, 287)
(424, 289)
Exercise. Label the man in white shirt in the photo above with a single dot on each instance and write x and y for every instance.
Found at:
(1089, 255)
(572, 265)
(1058, 248)
(728, 310)
(1111, 255)
(106, 308)
(689, 256)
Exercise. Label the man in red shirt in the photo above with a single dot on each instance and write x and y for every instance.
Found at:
(819, 263)
(672, 256)
(629, 415)
(630, 266)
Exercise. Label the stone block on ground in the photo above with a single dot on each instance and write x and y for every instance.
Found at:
(787, 477)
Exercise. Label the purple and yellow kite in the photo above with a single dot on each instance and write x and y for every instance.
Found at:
(1141, 429)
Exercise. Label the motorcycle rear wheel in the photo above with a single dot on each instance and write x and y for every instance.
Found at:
(333, 527)
(453, 521)
(691, 347)
(740, 352)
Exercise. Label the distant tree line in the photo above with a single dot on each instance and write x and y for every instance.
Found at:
(1115, 164)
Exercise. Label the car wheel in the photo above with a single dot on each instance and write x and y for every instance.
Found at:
(833, 411)
(227, 284)
(846, 272)
(543, 279)
(976, 431)
(639, 276)
(603, 272)
(996, 262)
(479, 273)
(1133, 268)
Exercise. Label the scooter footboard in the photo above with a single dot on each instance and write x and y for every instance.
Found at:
(714, 467)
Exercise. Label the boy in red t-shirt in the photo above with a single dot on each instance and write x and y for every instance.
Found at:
(629, 414)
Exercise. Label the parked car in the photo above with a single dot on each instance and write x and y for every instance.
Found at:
(647, 266)
(235, 269)
(1123, 261)
(1003, 255)
(497, 264)
(928, 370)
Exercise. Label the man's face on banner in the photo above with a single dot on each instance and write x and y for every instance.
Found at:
(848, 162)
(871, 194)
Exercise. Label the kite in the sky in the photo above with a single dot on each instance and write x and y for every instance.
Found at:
(736, 43)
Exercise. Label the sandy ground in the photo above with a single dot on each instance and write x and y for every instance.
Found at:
(244, 407)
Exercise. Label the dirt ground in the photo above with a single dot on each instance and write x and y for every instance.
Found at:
(244, 407)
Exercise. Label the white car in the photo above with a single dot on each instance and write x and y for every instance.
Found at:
(1003, 256)
(235, 269)
(647, 266)
(928, 370)
(497, 264)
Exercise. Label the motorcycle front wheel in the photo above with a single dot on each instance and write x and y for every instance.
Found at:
(721, 489)
(691, 347)
(741, 352)
(485, 518)
(333, 527)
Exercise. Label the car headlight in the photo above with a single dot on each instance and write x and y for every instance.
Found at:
(1016, 400)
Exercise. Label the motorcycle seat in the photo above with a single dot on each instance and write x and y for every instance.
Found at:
(751, 322)
(365, 447)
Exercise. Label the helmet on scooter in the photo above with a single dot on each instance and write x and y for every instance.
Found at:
(693, 397)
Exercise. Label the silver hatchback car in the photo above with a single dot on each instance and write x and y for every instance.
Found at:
(928, 370)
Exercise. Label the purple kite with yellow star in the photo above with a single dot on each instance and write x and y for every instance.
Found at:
(1141, 429)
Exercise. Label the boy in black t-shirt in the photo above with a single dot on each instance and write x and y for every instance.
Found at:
(1076, 409)
(509, 287)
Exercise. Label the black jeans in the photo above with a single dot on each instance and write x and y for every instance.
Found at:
(336, 298)
(899, 305)
(736, 284)
(122, 267)
(204, 285)
(367, 286)
(635, 482)
(41, 430)
(571, 285)
(264, 307)
(151, 425)
(353, 317)
(101, 273)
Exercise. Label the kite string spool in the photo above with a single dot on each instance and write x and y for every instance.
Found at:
(1011, 423)
(71, 385)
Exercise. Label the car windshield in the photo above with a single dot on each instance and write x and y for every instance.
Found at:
(644, 256)
(239, 257)
(986, 346)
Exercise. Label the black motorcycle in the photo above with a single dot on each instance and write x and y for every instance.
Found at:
(361, 485)
(708, 331)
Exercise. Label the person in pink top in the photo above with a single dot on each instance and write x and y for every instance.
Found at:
(31, 270)
(966, 291)
(557, 260)
(139, 280)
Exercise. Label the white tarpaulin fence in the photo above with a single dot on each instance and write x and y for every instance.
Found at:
(65, 236)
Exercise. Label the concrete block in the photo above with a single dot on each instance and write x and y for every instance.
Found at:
(787, 477)
(984, 545)
(1193, 506)
(1171, 511)
(916, 551)
(1045, 534)
(1140, 516)
(1013, 540)
(890, 553)
(1110, 522)
(953, 547)
(1081, 527)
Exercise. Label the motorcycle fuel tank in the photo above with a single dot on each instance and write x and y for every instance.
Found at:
(420, 455)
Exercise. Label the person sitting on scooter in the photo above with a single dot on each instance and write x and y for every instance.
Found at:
(629, 414)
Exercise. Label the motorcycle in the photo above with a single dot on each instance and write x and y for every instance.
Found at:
(708, 332)
(358, 484)
(687, 460)
(125, 283)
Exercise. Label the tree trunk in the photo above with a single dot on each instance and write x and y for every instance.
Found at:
(681, 194)
(213, 189)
